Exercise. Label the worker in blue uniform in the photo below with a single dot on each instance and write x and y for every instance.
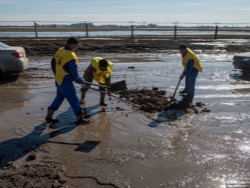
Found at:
(64, 66)
(192, 67)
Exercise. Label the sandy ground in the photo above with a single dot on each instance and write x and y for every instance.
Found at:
(125, 147)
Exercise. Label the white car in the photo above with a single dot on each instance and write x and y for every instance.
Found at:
(12, 59)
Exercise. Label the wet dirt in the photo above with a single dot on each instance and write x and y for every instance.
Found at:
(48, 46)
(155, 100)
(123, 146)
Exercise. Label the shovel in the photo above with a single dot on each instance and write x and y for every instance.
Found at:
(135, 105)
(118, 86)
(173, 99)
(104, 86)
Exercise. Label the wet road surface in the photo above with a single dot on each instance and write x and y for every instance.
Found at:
(128, 148)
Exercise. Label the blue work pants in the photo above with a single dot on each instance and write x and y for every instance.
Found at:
(190, 80)
(68, 91)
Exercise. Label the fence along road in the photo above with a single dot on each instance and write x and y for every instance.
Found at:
(123, 29)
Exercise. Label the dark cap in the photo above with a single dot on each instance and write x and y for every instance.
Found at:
(182, 47)
(103, 63)
(72, 40)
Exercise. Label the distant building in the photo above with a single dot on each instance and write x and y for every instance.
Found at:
(82, 24)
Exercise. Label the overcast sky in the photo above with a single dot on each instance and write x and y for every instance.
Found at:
(149, 11)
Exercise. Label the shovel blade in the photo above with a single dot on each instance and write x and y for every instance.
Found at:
(172, 99)
(118, 86)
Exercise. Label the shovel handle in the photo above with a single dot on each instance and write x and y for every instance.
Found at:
(104, 86)
(176, 88)
(135, 105)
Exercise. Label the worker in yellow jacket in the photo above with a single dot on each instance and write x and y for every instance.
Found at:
(65, 67)
(99, 69)
(192, 67)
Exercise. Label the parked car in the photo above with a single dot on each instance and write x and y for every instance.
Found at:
(242, 61)
(12, 59)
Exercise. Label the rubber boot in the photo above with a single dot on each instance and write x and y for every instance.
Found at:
(80, 120)
(185, 102)
(102, 99)
(85, 113)
(49, 118)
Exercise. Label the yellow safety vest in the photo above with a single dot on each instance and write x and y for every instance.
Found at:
(62, 57)
(100, 75)
(191, 55)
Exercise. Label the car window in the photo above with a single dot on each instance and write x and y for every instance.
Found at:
(2, 45)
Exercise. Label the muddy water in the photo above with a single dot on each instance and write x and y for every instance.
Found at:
(128, 148)
(13, 98)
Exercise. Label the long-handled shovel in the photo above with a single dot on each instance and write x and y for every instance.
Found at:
(173, 99)
(135, 105)
(90, 83)
(117, 86)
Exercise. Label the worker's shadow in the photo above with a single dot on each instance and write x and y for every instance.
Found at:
(71, 118)
(88, 145)
(169, 115)
(15, 148)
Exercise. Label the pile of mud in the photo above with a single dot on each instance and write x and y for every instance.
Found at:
(155, 100)
(148, 100)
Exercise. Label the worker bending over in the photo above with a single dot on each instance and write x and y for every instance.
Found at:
(192, 67)
(99, 69)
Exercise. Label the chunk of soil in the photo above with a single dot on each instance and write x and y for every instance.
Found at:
(37, 175)
(155, 100)
(148, 100)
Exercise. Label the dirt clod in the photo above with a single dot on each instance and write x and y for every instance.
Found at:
(149, 100)
(199, 104)
(36, 175)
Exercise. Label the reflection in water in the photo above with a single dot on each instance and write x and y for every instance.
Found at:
(240, 75)
(102, 130)
(245, 147)
(87, 137)
(180, 138)
(242, 79)
(11, 98)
